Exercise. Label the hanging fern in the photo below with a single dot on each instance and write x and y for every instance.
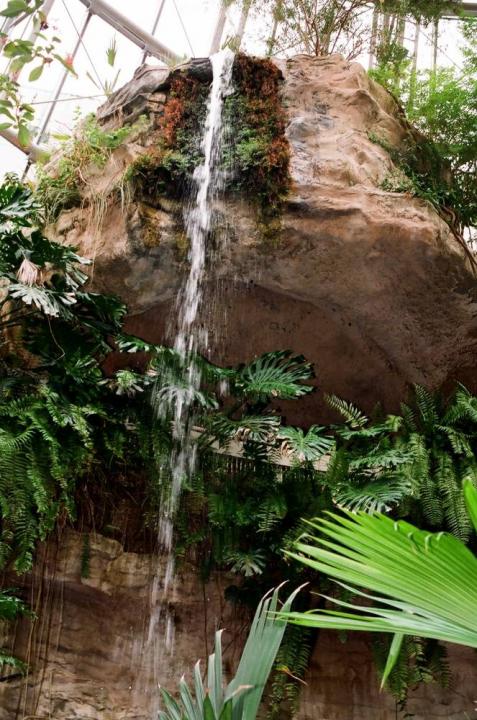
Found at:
(354, 417)
(291, 664)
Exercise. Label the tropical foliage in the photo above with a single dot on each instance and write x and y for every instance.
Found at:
(425, 583)
(10, 608)
(240, 699)
(442, 104)
(418, 460)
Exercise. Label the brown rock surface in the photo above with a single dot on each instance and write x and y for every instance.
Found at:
(371, 285)
(87, 649)
(88, 658)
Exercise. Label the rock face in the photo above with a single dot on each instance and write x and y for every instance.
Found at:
(89, 662)
(370, 285)
(87, 649)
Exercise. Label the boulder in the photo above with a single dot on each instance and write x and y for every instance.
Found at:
(371, 285)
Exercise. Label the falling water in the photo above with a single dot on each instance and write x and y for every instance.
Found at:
(190, 339)
(208, 181)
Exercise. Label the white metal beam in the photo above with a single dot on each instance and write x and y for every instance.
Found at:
(219, 29)
(33, 151)
(129, 29)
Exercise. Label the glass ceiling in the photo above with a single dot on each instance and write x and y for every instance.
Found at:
(185, 26)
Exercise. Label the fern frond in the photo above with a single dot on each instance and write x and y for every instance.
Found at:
(348, 411)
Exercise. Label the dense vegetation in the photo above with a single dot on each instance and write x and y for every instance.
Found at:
(442, 103)
(73, 438)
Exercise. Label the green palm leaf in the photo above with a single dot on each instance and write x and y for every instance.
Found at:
(426, 583)
(239, 700)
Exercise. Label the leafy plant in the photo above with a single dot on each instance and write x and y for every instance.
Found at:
(423, 455)
(11, 607)
(58, 185)
(440, 166)
(20, 52)
(240, 699)
(426, 583)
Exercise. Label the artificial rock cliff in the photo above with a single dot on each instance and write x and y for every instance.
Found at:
(370, 285)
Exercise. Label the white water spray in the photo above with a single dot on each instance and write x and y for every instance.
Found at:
(190, 339)
(208, 181)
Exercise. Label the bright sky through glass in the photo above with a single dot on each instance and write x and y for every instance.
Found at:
(83, 94)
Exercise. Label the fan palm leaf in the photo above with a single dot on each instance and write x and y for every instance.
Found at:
(426, 584)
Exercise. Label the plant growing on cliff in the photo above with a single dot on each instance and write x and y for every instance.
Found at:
(419, 459)
(256, 163)
(442, 103)
(58, 187)
(259, 158)
(11, 607)
(53, 335)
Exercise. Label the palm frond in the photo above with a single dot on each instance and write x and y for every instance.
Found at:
(426, 583)
(240, 700)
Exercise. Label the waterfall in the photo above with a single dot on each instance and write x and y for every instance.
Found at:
(190, 339)
(208, 181)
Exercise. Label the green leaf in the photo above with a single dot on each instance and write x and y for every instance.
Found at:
(393, 655)
(470, 494)
(66, 64)
(15, 8)
(426, 583)
(36, 73)
(5, 125)
(275, 375)
(24, 136)
(111, 52)
(209, 713)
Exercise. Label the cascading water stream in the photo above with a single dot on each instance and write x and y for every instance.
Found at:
(190, 339)
(208, 181)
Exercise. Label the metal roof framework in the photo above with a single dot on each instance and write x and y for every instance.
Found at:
(154, 47)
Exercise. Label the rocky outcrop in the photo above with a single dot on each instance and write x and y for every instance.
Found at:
(89, 659)
(87, 650)
(370, 285)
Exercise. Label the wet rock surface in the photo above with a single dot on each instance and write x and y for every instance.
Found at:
(371, 286)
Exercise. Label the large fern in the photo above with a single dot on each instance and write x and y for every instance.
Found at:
(422, 456)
